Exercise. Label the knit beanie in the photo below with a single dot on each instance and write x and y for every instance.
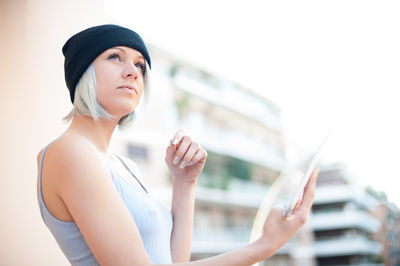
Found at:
(82, 48)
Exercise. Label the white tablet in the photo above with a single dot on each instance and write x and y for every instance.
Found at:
(298, 194)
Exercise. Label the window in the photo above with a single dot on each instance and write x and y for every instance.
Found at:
(137, 152)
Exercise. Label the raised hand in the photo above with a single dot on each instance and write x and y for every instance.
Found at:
(185, 158)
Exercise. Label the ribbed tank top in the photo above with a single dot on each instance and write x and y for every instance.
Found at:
(152, 218)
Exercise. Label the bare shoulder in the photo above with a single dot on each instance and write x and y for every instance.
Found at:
(64, 145)
(71, 164)
(70, 157)
(71, 145)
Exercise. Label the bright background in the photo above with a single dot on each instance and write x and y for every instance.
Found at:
(327, 64)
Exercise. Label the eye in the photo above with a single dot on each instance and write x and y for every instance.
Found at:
(141, 67)
(114, 56)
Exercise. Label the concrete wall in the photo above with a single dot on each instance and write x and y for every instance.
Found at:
(33, 99)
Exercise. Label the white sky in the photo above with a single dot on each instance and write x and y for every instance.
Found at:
(326, 63)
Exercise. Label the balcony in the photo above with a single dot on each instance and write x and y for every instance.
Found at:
(344, 219)
(231, 99)
(346, 246)
(237, 145)
(344, 193)
(231, 199)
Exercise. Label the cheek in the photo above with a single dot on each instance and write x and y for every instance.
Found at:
(104, 83)
(101, 91)
(141, 85)
(100, 81)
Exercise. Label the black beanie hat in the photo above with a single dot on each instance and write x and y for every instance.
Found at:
(82, 48)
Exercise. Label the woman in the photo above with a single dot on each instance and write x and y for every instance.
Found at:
(94, 202)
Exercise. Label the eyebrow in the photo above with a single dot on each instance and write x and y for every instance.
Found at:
(140, 56)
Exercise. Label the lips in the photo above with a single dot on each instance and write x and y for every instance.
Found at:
(128, 88)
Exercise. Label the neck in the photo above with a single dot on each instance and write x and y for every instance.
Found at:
(99, 132)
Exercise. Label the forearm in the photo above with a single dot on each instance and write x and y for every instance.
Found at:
(247, 255)
(182, 210)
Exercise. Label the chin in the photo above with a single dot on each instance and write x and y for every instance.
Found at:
(124, 113)
(121, 112)
(119, 107)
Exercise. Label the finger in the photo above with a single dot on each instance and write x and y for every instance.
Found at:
(309, 191)
(177, 138)
(181, 149)
(169, 154)
(191, 151)
(200, 155)
(297, 205)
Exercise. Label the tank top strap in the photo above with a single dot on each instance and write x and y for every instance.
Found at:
(131, 172)
(41, 169)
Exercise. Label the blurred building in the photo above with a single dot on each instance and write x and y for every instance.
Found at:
(343, 222)
(242, 134)
(389, 233)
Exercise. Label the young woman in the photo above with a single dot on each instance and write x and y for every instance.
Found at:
(94, 202)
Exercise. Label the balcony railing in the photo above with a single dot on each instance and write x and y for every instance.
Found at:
(346, 246)
(234, 199)
(343, 193)
(227, 98)
(344, 219)
(238, 146)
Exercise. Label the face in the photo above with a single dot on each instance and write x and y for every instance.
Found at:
(120, 79)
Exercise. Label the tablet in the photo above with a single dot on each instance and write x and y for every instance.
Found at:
(278, 188)
(298, 194)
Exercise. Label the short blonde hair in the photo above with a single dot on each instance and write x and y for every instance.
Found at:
(85, 100)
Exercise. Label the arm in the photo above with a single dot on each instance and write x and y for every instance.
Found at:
(184, 180)
(278, 229)
(182, 210)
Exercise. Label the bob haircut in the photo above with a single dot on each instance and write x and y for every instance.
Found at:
(85, 100)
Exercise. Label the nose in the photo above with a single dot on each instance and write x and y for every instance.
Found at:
(131, 71)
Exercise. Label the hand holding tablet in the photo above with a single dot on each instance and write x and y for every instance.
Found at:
(278, 189)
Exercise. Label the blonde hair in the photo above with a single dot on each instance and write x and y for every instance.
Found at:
(85, 100)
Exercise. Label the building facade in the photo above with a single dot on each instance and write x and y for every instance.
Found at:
(242, 134)
(343, 222)
(389, 233)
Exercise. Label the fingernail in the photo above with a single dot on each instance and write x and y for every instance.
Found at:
(176, 160)
(183, 165)
(175, 141)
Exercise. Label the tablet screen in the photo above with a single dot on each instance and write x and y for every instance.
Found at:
(306, 174)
